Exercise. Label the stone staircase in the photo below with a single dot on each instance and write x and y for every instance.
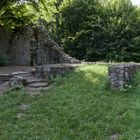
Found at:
(4, 78)
(34, 80)
(35, 83)
(28, 79)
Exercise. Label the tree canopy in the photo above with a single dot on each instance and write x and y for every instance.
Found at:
(102, 30)
(91, 30)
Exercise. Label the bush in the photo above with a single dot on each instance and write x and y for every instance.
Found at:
(106, 31)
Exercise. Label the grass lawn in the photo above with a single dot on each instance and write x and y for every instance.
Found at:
(78, 107)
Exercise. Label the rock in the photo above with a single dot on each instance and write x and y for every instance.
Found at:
(20, 73)
(20, 115)
(24, 107)
(114, 136)
(36, 91)
(18, 80)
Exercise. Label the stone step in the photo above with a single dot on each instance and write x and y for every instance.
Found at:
(4, 78)
(37, 89)
(33, 71)
(2, 82)
(18, 80)
(21, 73)
(33, 79)
(38, 85)
(33, 83)
(4, 75)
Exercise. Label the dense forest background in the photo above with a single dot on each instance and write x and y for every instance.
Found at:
(90, 30)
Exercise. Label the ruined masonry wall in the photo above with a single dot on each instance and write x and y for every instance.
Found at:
(4, 41)
(20, 47)
(121, 75)
(31, 45)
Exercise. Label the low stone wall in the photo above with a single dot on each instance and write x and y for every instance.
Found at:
(51, 71)
(120, 75)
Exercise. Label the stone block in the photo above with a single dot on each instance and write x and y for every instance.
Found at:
(120, 75)
(17, 80)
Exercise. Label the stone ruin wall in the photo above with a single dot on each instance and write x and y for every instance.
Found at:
(48, 51)
(20, 47)
(15, 45)
(121, 75)
(28, 44)
(4, 41)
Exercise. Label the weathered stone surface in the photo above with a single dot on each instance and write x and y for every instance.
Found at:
(24, 107)
(31, 46)
(35, 91)
(27, 78)
(19, 50)
(50, 71)
(18, 80)
(115, 136)
(20, 115)
(4, 41)
(121, 75)
(4, 78)
(47, 50)
(20, 73)
(38, 85)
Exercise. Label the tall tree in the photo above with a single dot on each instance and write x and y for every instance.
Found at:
(106, 30)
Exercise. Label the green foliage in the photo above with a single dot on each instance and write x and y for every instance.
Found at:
(106, 31)
(15, 13)
(91, 30)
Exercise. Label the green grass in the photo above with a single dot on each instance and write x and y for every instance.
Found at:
(80, 106)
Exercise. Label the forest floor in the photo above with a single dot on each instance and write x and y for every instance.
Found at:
(79, 106)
